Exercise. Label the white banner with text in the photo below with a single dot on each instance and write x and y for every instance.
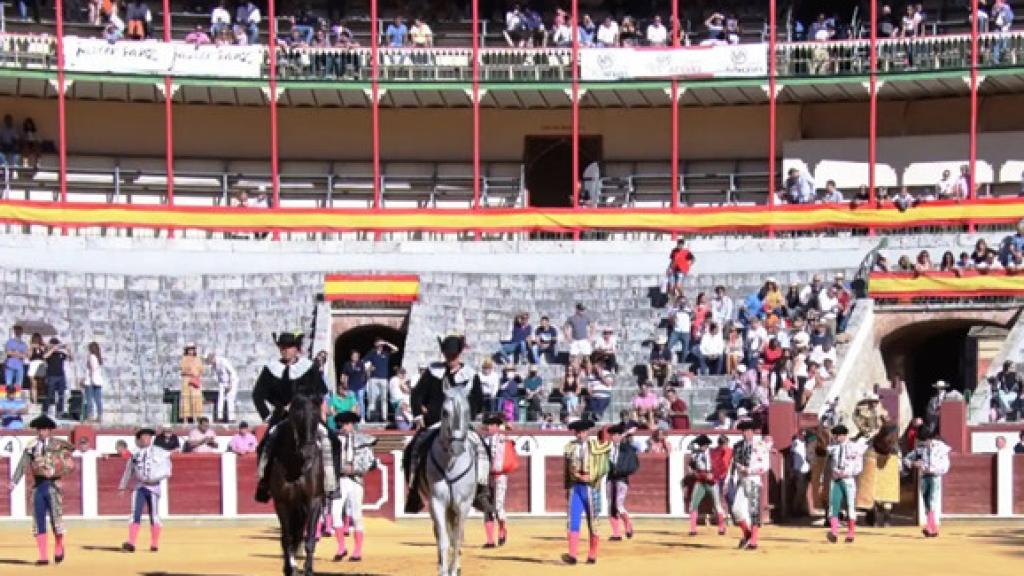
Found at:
(721, 61)
(158, 58)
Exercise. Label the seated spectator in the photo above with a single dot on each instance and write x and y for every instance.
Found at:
(248, 17)
(421, 35)
(732, 29)
(678, 411)
(10, 143)
(659, 367)
(605, 348)
(508, 392)
(244, 442)
(533, 28)
(397, 33)
(534, 390)
(545, 342)
(904, 200)
(404, 419)
(721, 419)
(12, 409)
(712, 351)
(549, 422)
(629, 36)
(166, 439)
(220, 20)
(561, 33)
(30, 145)
(607, 34)
(570, 391)
(904, 264)
(112, 34)
(657, 443)
(657, 34)
(715, 26)
(342, 400)
(722, 307)
(202, 440)
(599, 396)
(516, 349)
(645, 403)
(306, 22)
(924, 262)
(948, 263)
(515, 27)
(197, 36)
(832, 194)
(399, 389)
(1019, 447)
(982, 254)
(139, 18)
(587, 32)
(121, 449)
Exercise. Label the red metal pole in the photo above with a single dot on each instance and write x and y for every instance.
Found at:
(62, 146)
(771, 103)
(476, 109)
(272, 47)
(873, 108)
(974, 102)
(575, 112)
(375, 110)
(169, 118)
(675, 113)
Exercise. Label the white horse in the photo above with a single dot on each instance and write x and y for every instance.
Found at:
(449, 481)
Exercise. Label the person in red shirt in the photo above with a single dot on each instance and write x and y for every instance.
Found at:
(678, 411)
(721, 460)
(680, 262)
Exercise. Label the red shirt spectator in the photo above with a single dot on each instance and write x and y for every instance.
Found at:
(682, 258)
(721, 459)
(678, 411)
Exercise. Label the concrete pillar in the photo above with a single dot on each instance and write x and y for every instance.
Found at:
(953, 426)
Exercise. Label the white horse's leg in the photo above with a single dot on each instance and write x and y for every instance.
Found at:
(459, 529)
(441, 534)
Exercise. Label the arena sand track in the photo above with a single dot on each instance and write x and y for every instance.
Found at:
(660, 547)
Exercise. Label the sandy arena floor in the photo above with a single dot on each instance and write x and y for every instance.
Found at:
(659, 547)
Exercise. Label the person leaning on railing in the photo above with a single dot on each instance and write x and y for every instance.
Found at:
(1002, 21)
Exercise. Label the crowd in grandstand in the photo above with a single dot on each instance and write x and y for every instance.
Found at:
(1009, 257)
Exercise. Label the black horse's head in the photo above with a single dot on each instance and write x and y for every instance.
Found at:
(303, 419)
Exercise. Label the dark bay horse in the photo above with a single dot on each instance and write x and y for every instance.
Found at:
(297, 482)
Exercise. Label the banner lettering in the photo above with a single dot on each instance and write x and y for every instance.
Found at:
(161, 59)
(722, 61)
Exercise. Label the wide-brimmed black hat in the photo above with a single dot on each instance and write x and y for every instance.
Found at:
(617, 429)
(746, 425)
(702, 440)
(346, 418)
(840, 430)
(496, 419)
(452, 345)
(42, 422)
(580, 425)
(288, 340)
(143, 431)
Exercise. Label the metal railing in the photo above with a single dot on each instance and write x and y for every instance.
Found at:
(793, 59)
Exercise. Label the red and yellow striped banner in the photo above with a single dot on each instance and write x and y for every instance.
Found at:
(371, 287)
(966, 284)
(696, 220)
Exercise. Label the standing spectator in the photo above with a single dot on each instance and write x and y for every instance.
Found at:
(579, 329)
(220, 20)
(197, 36)
(508, 391)
(608, 33)
(681, 319)
(10, 143)
(397, 33)
(94, 382)
(599, 396)
(1002, 22)
(244, 442)
(490, 382)
(16, 353)
(678, 411)
(139, 17)
(421, 35)
(715, 25)
(202, 440)
(732, 29)
(680, 260)
(12, 409)
(378, 362)
(516, 349)
(56, 382)
(570, 390)
(247, 17)
(36, 368)
(399, 390)
(227, 387)
(191, 384)
(657, 34)
(799, 188)
(545, 345)
(514, 27)
(944, 189)
(340, 401)
(353, 376)
(964, 186)
(166, 439)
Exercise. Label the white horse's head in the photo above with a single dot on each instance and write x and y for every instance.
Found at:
(455, 420)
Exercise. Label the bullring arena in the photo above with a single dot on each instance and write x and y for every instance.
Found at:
(683, 285)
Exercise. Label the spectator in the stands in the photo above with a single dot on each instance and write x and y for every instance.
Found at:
(490, 381)
(12, 408)
(606, 348)
(680, 260)
(533, 389)
(354, 377)
(587, 32)
(220, 20)
(983, 16)
(545, 342)
(1002, 22)
(579, 329)
(399, 390)
(904, 200)
(657, 34)
(378, 368)
(248, 17)
(30, 145)
(982, 254)
(516, 348)
(886, 22)
(202, 439)
(948, 262)
(112, 34)
(570, 390)
(139, 17)
(166, 439)
(421, 35)
(945, 187)
(678, 412)
(924, 262)
(244, 441)
(533, 26)
(799, 188)
(659, 367)
(715, 26)
(722, 307)
(508, 391)
(340, 401)
(818, 26)
(561, 33)
(658, 444)
(607, 33)
(629, 35)
(515, 27)
(680, 319)
(645, 403)
(712, 350)
(732, 29)
(832, 194)
(10, 143)
(197, 36)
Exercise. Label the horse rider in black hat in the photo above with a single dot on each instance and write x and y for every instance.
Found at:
(278, 384)
(427, 401)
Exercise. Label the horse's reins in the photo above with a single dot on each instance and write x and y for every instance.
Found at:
(446, 386)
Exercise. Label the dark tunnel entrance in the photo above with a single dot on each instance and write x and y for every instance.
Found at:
(926, 352)
(361, 339)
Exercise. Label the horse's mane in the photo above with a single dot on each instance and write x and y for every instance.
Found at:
(303, 418)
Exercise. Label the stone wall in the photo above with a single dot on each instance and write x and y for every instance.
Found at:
(142, 323)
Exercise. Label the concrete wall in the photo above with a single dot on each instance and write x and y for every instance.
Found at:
(630, 134)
